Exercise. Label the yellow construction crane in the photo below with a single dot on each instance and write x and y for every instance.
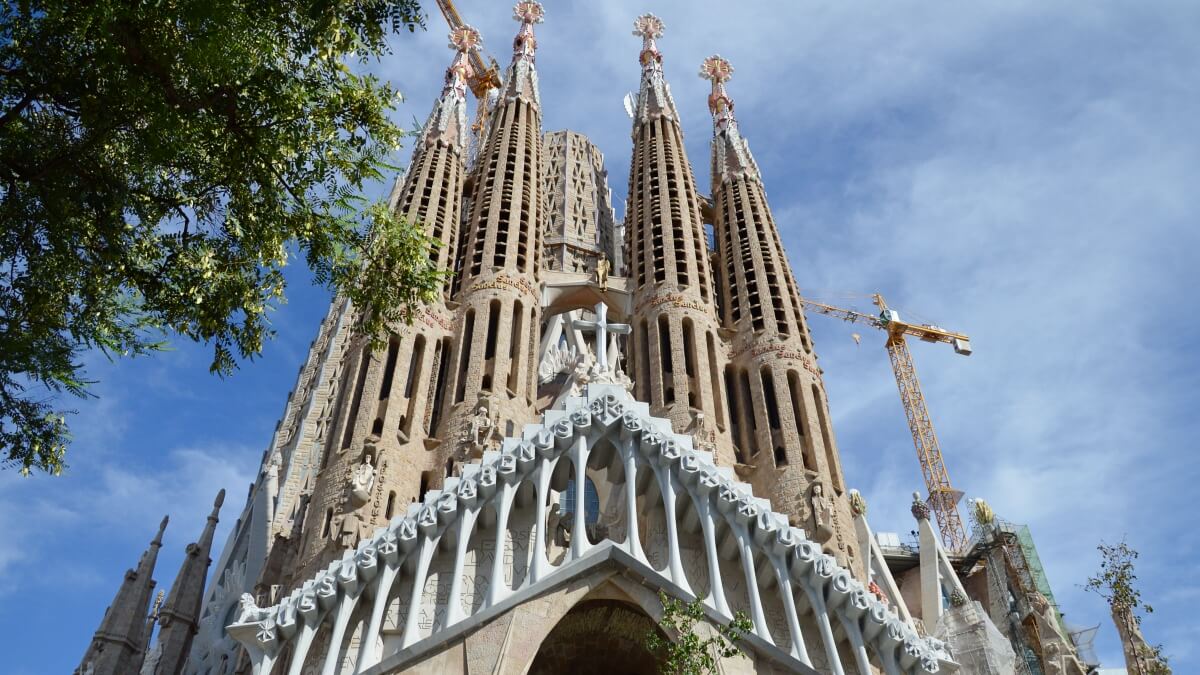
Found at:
(943, 499)
(485, 75)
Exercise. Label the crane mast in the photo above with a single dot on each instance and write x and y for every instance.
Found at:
(943, 498)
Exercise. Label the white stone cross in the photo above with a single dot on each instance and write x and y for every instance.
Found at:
(602, 328)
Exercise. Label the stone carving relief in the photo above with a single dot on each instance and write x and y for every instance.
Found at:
(348, 530)
(362, 481)
(483, 431)
(821, 512)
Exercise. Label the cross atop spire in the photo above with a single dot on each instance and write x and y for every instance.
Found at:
(649, 27)
(718, 71)
(527, 12)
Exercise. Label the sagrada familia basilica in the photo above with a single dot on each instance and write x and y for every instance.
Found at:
(593, 412)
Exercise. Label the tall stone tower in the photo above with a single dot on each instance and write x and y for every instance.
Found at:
(677, 355)
(581, 224)
(379, 450)
(492, 359)
(780, 418)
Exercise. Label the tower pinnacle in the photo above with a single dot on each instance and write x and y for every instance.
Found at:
(119, 643)
(649, 27)
(521, 81)
(462, 40)
(718, 71)
(180, 616)
(527, 12)
(654, 96)
(731, 154)
(448, 120)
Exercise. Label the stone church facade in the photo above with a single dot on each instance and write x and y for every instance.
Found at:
(592, 413)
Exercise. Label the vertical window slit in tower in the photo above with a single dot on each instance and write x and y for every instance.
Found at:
(330, 429)
(665, 360)
(749, 409)
(389, 369)
(801, 420)
(514, 346)
(773, 421)
(424, 486)
(689, 363)
(489, 349)
(363, 365)
(827, 439)
(391, 505)
(328, 524)
(735, 412)
(644, 349)
(715, 379)
(414, 375)
(768, 385)
(441, 355)
(464, 364)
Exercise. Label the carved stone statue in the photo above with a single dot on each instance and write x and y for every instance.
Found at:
(482, 426)
(249, 611)
(603, 267)
(273, 465)
(348, 530)
(363, 480)
(822, 512)
(858, 505)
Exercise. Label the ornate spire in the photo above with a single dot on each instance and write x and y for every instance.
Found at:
(180, 616)
(649, 28)
(462, 40)
(448, 120)
(654, 96)
(731, 154)
(718, 71)
(118, 645)
(521, 81)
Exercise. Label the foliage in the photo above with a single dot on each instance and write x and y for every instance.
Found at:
(691, 654)
(160, 162)
(1116, 584)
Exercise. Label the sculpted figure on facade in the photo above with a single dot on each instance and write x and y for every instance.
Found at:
(603, 268)
(363, 480)
(349, 530)
(483, 429)
(249, 611)
(821, 511)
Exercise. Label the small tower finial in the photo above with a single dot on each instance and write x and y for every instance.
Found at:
(649, 28)
(217, 504)
(528, 13)
(162, 527)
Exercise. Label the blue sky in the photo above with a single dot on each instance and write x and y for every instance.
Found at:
(1024, 172)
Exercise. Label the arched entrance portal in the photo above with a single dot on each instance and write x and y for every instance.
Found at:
(598, 637)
